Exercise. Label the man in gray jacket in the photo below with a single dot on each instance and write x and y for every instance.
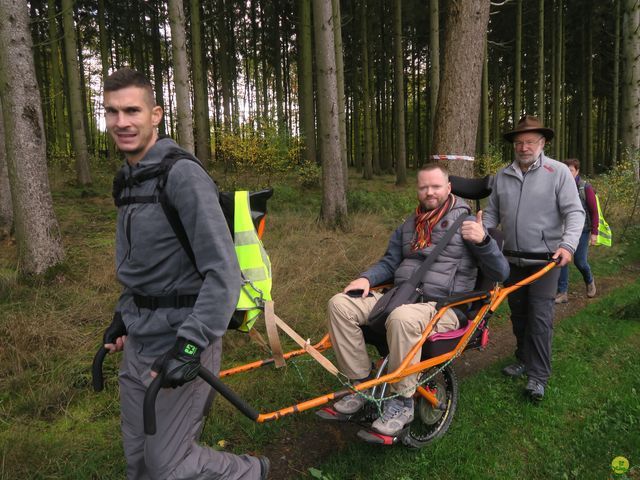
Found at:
(173, 311)
(536, 201)
(454, 271)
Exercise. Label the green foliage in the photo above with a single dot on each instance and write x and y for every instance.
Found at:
(618, 189)
(308, 174)
(262, 155)
(490, 163)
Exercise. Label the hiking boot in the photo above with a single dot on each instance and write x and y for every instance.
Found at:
(591, 289)
(562, 297)
(514, 370)
(534, 389)
(265, 466)
(397, 413)
(350, 404)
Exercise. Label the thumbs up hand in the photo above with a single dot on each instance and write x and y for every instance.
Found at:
(473, 231)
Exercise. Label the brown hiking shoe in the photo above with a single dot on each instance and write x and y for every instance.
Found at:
(562, 298)
(591, 289)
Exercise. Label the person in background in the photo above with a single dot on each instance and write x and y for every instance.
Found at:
(588, 237)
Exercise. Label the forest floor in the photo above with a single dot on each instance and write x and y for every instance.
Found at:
(292, 458)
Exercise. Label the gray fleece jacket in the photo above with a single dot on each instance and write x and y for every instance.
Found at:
(454, 271)
(150, 260)
(539, 211)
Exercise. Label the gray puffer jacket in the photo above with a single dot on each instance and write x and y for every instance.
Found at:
(455, 269)
(150, 260)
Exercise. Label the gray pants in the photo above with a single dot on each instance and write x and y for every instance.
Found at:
(532, 311)
(172, 453)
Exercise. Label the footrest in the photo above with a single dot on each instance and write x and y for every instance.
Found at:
(377, 438)
(328, 413)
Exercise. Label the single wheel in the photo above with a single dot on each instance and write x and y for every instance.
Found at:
(430, 423)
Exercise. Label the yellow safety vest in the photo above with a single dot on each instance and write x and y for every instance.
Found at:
(254, 262)
(604, 231)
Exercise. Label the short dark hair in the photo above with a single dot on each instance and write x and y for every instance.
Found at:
(572, 162)
(128, 77)
(435, 166)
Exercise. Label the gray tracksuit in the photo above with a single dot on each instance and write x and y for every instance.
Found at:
(539, 211)
(150, 261)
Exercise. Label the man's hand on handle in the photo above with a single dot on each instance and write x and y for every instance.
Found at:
(179, 365)
(562, 256)
(115, 335)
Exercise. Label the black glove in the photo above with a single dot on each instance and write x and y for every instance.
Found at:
(115, 330)
(179, 365)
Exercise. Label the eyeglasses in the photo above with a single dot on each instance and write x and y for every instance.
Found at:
(527, 143)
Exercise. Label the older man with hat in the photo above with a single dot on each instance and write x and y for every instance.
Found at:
(536, 202)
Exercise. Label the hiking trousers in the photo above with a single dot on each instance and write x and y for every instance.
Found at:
(173, 452)
(532, 310)
(404, 329)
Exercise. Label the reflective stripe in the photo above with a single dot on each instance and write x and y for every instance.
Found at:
(253, 260)
(604, 231)
(255, 274)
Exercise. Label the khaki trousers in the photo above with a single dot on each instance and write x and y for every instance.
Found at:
(404, 329)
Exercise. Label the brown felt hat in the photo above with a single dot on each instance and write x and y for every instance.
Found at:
(529, 123)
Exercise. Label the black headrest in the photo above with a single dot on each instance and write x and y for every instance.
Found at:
(471, 188)
(257, 201)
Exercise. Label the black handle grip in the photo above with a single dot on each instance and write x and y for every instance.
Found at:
(96, 369)
(149, 404)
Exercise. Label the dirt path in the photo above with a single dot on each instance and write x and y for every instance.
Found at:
(292, 458)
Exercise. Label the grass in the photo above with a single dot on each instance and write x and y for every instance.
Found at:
(53, 426)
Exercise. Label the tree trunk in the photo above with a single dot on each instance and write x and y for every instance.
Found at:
(398, 90)
(181, 75)
(305, 80)
(367, 171)
(541, 55)
(60, 140)
(83, 174)
(36, 228)
(615, 112)
(200, 90)
(434, 72)
(334, 199)
(459, 98)
(631, 77)
(105, 62)
(158, 68)
(557, 81)
(342, 117)
(484, 108)
(588, 161)
(517, 66)
(6, 206)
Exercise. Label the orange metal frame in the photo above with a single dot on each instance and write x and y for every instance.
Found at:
(495, 298)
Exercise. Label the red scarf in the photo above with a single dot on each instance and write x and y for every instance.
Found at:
(426, 220)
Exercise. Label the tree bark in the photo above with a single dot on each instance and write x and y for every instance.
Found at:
(78, 136)
(6, 206)
(305, 80)
(200, 90)
(334, 200)
(36, 228)
(615, 112)
(541, 54)
(57, 90)
(459, 98)
(434, 71)
(342, 117)
(398, 90)
(631, 77)
(367, 171)
(181, 75)
(517, 66)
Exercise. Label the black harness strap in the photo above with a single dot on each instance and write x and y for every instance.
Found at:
(161, 172)
(167, 301)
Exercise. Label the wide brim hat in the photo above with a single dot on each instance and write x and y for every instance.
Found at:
(526, 124)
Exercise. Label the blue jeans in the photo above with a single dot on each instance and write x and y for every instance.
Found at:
(580, 260)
